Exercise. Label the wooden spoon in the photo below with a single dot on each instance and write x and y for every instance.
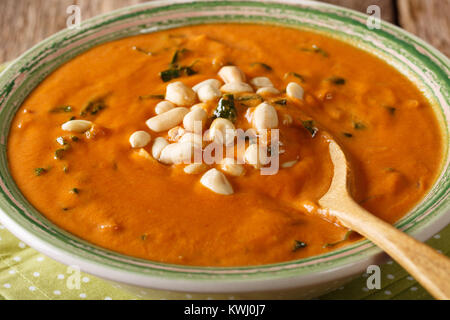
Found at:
(425, 264)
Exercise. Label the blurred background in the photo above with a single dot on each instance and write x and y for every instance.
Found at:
(23, 23)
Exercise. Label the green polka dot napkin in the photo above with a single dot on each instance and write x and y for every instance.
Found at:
(26, 274)
(396, 283)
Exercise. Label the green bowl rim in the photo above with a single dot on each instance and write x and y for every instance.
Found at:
(115, 266)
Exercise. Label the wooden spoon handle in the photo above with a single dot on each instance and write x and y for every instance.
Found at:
(424, 263)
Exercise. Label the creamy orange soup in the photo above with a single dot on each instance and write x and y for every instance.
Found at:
(129, 192)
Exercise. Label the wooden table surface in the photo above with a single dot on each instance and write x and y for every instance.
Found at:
(24, 23)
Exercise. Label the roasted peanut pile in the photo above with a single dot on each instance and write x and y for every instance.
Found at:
(185, 119)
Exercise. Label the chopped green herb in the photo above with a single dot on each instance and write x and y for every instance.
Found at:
(391, 110)
(169, 74)
(359, 125)
(194, 63)
(93, 107)
(337, 80)
(176, 56)
(348, 135)
(298, 245)
(282, 102)
(59, 154)
(250, 97)
(177, 72)
(309, 125)
(61, 109)
(40, 171)
(66, 169)
(148, 53)
(144, 237)
(226, 108)
(314, 48)
(188, 71)
(294, 74)
(320, 50)
(152, 96)
(346, 236)
(75, 191)
(72, 118)
(265, 66)
(65, 209)
(74, 138)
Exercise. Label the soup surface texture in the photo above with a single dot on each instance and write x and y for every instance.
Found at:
(91, 182)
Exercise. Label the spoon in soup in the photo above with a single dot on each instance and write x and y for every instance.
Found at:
(425, 264)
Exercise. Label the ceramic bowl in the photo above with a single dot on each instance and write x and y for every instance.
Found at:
(304, 278)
